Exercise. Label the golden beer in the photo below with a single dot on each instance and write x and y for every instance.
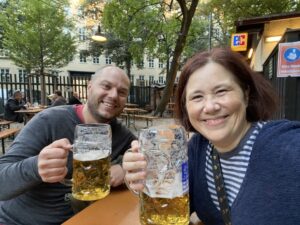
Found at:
(91, 178)
(164, 211)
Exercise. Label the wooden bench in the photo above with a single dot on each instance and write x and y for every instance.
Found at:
(5, 124)
(146, 117)
(123, 116)
(170, 108)
(7, 133)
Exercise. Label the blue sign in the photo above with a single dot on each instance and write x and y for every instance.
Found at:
(291, 54)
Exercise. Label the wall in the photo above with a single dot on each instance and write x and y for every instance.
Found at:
(272, 28)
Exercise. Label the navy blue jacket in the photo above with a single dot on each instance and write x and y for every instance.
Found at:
(11, 106)
(270, 192)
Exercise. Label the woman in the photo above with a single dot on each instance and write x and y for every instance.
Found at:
(243, 169)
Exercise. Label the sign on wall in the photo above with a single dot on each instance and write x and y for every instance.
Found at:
(288, 59)
(239, 42)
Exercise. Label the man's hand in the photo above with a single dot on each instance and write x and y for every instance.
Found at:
(52, 161)
(116, 175)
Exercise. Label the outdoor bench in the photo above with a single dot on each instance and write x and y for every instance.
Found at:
(146, 118)
(7, 133)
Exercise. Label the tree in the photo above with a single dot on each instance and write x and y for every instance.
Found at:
(132, 26)
(38, 36)
(153, 27)
(225, 13)
(158, 28)
(187, 11)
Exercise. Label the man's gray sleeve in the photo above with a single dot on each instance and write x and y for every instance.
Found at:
(18, 167)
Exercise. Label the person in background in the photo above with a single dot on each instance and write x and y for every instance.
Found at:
(58, 99)
(74, 99)
(13, 104)
(33, 169)
(243, 167)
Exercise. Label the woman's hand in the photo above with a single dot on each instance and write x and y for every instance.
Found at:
(134, 165)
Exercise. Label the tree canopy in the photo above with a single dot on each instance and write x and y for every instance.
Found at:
(37, 35)
(173, 30)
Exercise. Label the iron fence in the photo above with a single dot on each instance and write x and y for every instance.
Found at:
(31, 88)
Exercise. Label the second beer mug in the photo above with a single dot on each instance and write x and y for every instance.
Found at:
(165, 199)
(91, 161)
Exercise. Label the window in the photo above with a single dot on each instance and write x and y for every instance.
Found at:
(132, 79)
(96, 59)
(142, 77)
(54, 72)
(22, 75)
(3, 53)
(4, 72)
(82, 34)
(107, 60)
(151, 79)
(141, 64)
(82, 57)
(160, 64)
(161, 79)
(151, 62)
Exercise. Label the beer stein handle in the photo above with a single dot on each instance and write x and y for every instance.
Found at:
(66, 182)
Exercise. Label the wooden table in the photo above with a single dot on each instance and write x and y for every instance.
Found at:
(5, 124)
(131, 105)
(120, 207)
(131, 112)
(29, 113)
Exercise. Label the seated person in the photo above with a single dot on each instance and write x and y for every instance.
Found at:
(13, 104)
(74, 100)
(58, 99)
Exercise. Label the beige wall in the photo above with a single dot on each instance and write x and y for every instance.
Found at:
(272, 28)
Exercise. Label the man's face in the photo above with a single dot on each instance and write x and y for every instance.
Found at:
(18, 96)
(107, 94)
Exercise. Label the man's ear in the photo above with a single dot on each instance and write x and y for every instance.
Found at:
(89, 85)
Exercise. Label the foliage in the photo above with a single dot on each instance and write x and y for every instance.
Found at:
(225, 13)
(132, 26)
(37, 35)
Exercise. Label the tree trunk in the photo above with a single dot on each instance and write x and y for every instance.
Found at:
(43, 88)
(128, 66)
(187, 16)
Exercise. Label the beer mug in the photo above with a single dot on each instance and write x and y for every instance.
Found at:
(91, 161)
(165, 198)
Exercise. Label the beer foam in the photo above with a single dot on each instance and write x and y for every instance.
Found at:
(91, 155)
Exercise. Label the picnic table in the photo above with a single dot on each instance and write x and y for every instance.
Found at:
(131, 105)
(30, 112)
(5, 124)
(130, 115)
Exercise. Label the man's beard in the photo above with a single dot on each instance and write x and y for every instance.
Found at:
(93, 108)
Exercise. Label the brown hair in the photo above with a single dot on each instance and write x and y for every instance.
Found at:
(58, 92)
(262, 101)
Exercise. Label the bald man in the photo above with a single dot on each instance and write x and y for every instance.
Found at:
(34, 168)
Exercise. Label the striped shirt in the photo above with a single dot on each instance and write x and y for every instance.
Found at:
(234, 165)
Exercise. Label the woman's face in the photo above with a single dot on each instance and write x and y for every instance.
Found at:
(216, 106)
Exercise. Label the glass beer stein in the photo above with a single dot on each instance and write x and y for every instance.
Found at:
(91, 161)
(165, 199)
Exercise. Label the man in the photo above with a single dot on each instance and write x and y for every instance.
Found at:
(74, 99)
(34, 168)
(58, 99)
(13, 104)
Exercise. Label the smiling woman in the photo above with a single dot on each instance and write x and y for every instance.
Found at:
(236, 166)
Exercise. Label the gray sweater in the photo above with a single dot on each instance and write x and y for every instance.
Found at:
(24, 197)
